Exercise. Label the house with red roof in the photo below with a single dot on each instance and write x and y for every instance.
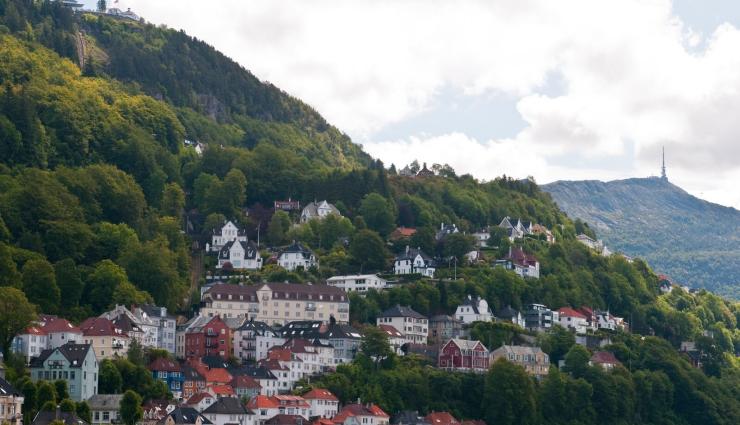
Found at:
(573, 320)
(362, 414)
(201, 401)
(245, 386)
(211, 338)
(464, 355)
(267, 407)
(395, 338)
(31, 342)
(605, 359)
(523, 264)
(323, 403)
(107, 340)
(192, 381)
(441, 418)
(402, 233)
(47, 333)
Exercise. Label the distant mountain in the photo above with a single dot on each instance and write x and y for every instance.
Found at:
(693, 241)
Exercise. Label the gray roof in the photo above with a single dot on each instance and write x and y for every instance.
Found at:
(105, 401)
(227, 406)
(402, 311)
(297, 247)
(155, 311)
(46, 417)
(6, 389)
(411, 253)
(312, 209)
(256, 372)
(74, 353)
(185, 415)
(250, 250)
(256, 326)
(507, 313)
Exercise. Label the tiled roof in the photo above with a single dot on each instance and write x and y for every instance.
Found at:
(401, 311)
(6, 389)
(441, 418)
(165, 365)
(604, 357)
(46, 418)
(391, 331)
(51, 324)
(569, 312)
(74, 353)
(283, 419)
(219, 375)
(292, 291)
(184, 416)
(243, 381)
(35, 330)
(466, 344)
(359, 410)
(197, 398)
(222, 390)
(262, 402)
(105, 401)
(227, 406)
(518, 256)
(100, 326)
(320, 394)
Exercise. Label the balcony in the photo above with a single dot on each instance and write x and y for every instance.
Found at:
(211, 344)
(255, 309)
(311, 307)
(211, 332)
(343, 309)
(117, 345)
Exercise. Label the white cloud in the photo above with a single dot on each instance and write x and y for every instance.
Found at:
(631, 72)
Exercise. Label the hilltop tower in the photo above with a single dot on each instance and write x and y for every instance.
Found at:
(662, 169)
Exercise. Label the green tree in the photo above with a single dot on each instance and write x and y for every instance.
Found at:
(102, 284)
(457, 245)
(368, 251)
(131, 410)
(9, 275)
(159, 275)
(557, 342)
(213, 221)
(378, 214)
(173, 200)
(110, 380)
(136, 354)
(83, 411)
(423, 239)
(576, 361)
(40, 285)
(375, 344)
(102, 6)
(45, 393)
(16, 314)
(127, 294)
(69, 282)
(508, 395)
(67, 405)
(60, 387)
(278, 227)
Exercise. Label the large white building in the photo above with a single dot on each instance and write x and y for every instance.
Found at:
(296, 256)
(49, 332)
(414, 326)
(414, 261)
(277, 303)
(241, 255)
(474, 310)
(358, 282)
(572, 319)
(227, 233)
(318, 210)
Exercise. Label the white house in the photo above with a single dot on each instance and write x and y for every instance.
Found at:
(296, 256)
(227, 233)
(508, 314)
(474, 310)
(241, 255)
(358, 283)
(228, 410)
(516, 229)
(413, 325)
(414, 261)
(482, 237)
(525, 265)
(30, 343)
(105, 408)
(572, 319)
(323, 403)
(318, 210)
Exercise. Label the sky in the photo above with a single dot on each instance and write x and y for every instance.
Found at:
(557, 90)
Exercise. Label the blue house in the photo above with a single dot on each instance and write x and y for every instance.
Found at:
(169, 372)
(74, 363)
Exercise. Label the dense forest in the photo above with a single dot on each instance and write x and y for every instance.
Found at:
(95, 176)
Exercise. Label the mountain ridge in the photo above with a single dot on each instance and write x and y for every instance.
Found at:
(692, 240)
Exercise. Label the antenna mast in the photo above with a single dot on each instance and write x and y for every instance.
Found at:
(662, 169)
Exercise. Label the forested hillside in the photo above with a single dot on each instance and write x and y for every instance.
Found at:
(101, 202)
(695, 242)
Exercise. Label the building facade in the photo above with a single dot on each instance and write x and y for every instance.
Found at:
(532, 359)
(413, 325)
(74, 363)
(464, 355)
(358, 283)
(277, 303)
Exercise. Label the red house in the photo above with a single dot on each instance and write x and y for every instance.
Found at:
(212, 339)
(463, 355)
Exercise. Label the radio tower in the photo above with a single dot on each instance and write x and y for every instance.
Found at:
(662, 169)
